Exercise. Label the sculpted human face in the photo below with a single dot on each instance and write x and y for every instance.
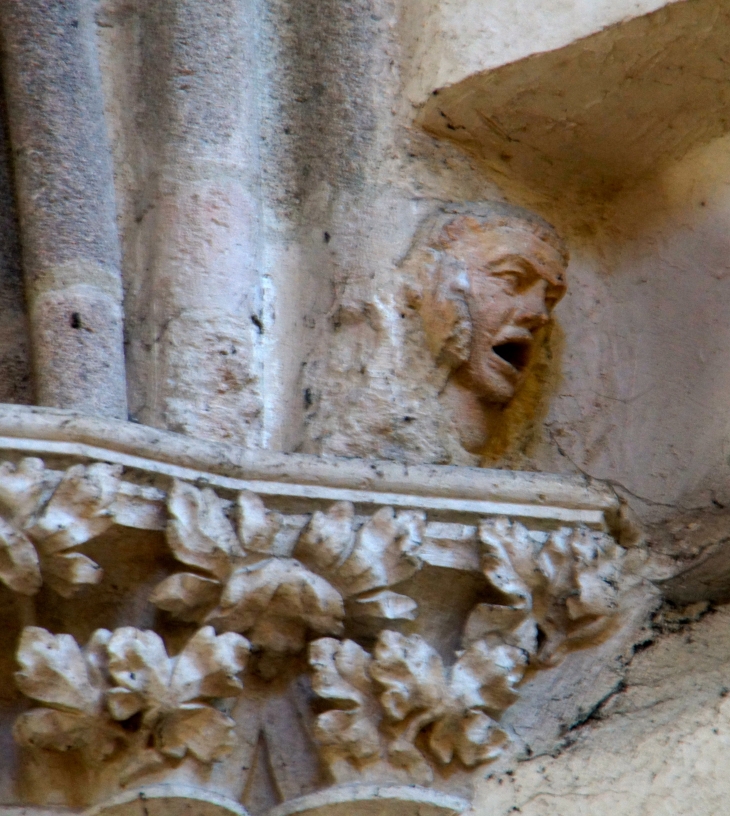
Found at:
(515, 280)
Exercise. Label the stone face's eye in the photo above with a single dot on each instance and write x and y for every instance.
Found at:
(511, 277)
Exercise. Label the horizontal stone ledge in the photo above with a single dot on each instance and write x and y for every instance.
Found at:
(299, 479)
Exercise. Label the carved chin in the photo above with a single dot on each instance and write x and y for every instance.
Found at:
(498, 382)
(474, 435)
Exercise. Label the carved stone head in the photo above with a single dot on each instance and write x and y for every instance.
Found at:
(496, 274)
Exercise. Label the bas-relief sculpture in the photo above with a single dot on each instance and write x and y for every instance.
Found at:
(296, 646)
(495, 274)
(290, 630)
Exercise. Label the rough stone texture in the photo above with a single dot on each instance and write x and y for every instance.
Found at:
(16, 382)
(655, 747)
(276, 190)
(66, 204)
(182, 97)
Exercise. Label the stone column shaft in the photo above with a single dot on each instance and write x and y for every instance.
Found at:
(194, 303)
(66, 204)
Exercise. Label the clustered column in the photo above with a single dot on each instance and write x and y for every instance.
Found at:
(193, 307)
(66, 204)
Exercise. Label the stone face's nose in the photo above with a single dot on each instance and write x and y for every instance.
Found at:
(532, 310)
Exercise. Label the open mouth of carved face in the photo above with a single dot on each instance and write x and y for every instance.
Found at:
(515, 352)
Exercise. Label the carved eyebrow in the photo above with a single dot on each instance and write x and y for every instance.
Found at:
(522, 264)
(512, 258)
(512, 263)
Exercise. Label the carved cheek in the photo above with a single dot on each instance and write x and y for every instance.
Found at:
(491, 308)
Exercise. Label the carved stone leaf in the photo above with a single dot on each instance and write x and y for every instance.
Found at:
(598, 564)
(205, 732)
(420, 693)
(123, 703)
(340, 671)
(381, 605)
(163, 689)
(56, 671)
(19, 567)
(25, 488)
(138, 662)
(472, 736)
(495, 625)
(276, 602)
(53, 670)
(328, 539)
(340, 676)
(508, 560)
(597, 594)
(68, 572)
(186, 595)
(209, 666)
(199, 532)
(384, 553)
(97, 658)
(79, 509)
(556, 562)
(411, 672)
(256, 526)
(486, 677)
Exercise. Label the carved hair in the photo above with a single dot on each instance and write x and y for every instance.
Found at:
(444, 283)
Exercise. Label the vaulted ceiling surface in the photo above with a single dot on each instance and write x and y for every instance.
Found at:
(598, 114)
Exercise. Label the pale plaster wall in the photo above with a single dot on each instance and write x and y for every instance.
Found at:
(658, 747)
(645, 377)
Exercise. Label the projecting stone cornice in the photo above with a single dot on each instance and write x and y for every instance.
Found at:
(448, 490)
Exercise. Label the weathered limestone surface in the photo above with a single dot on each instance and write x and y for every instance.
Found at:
(66, 205)
(658, 746)
(16, 383)
(299, 657)
(182, 93)
(341, 291)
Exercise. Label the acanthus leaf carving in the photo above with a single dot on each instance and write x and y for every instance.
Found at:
(348, 732)
(362, 563)
(382, 704)
(48, 517)
(70, 681)
(390, 706)
(199, 532)
(460, 704)
(277, 602)
(20, 568)
(186, 595)
(25, 487)
(564, 585)
(88, 692)
(257, 526)
(382, 552)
